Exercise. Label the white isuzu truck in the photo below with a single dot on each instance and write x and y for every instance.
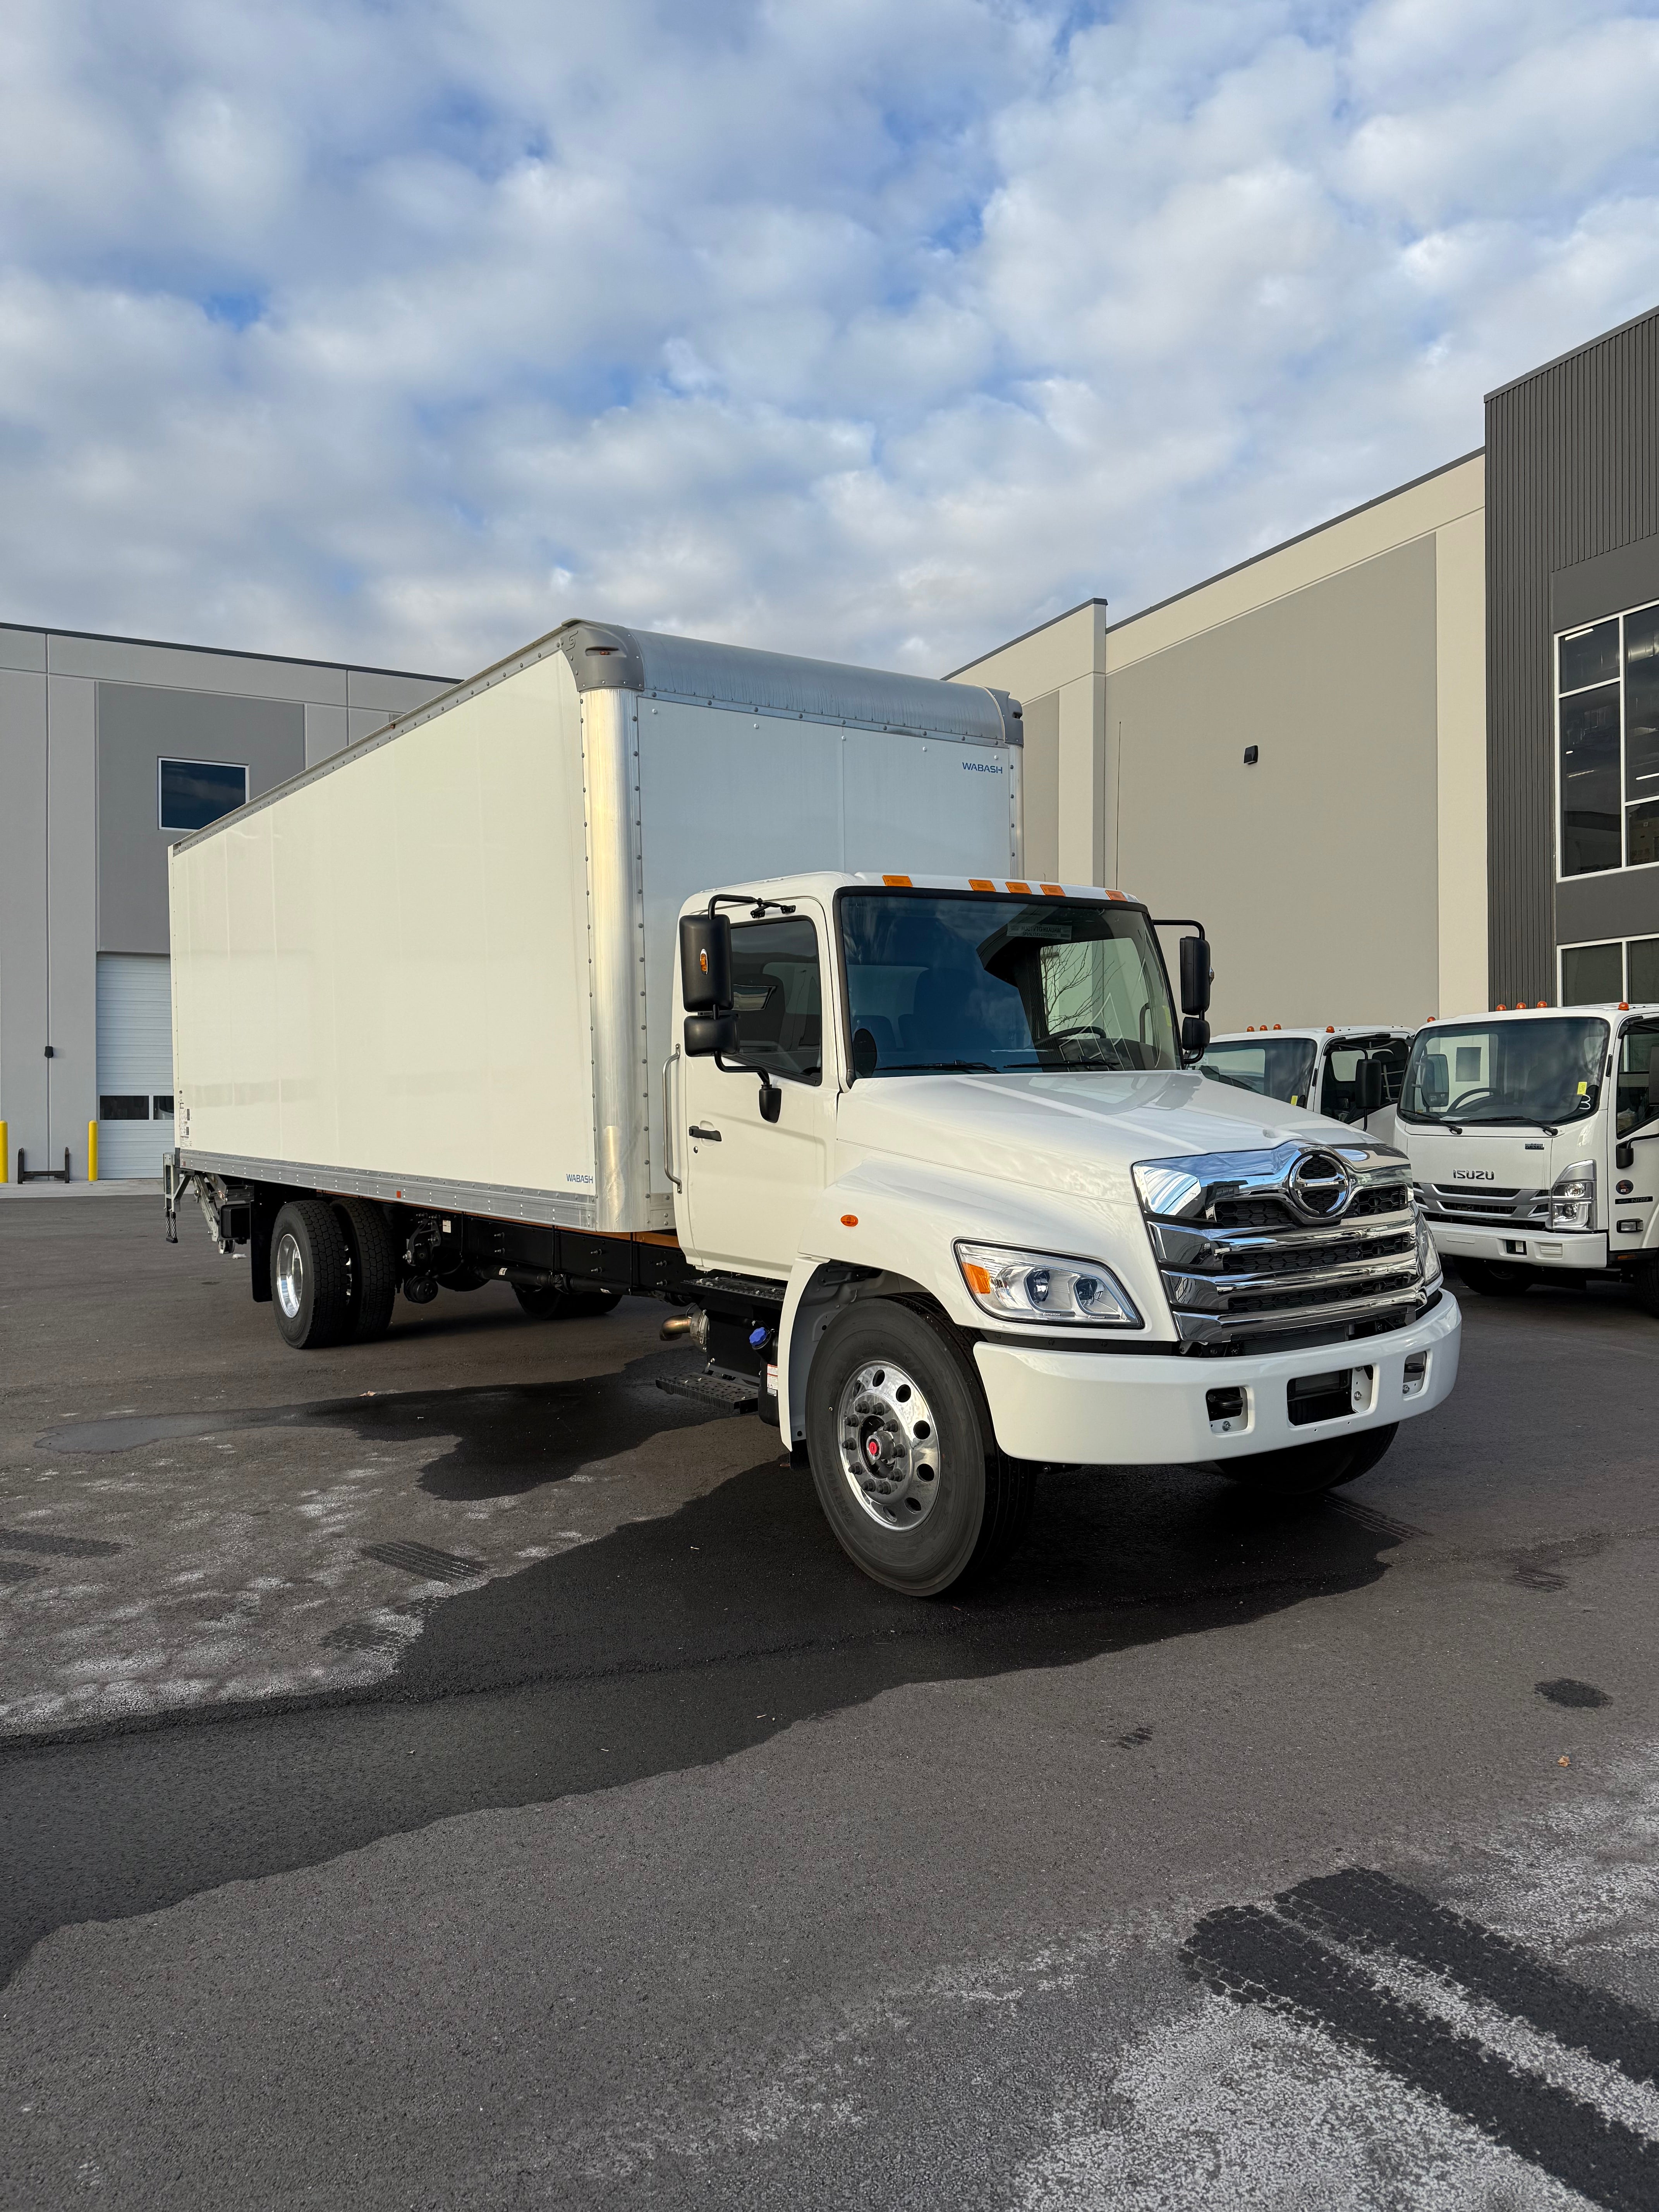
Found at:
(640, 964)
(1534, 1138)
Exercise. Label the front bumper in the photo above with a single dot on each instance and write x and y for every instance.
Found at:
(1124, 1408)
(1520, 1242)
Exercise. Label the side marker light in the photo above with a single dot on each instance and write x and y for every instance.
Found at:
(849, 1221)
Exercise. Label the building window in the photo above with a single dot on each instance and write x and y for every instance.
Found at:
(126, 1106)
(1602, 975)
(162, 1106)
(192, 794)
(1608, 740)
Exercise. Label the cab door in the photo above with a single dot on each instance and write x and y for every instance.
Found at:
(750, 1182)
(1632, 1213)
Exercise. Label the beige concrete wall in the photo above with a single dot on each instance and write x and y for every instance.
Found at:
(1364, 668)
(1316, 870)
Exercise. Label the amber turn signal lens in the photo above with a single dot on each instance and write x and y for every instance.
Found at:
(849, 1221)
(979, 1278)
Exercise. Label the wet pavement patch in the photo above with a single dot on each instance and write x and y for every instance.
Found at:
(1566, 1691)
(675, 1643)
(56, 1547)
(501, 1441)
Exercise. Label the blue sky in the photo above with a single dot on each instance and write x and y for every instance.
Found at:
(399, 332)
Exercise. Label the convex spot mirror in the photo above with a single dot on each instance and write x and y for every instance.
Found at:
(1195, 976)
(705, 963)
(1194, 1033)
(707, 1035)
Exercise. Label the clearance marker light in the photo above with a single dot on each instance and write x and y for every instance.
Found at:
(1026, 888)
(1117, 895)
(1330, 1029)
(1052, 890)
(905, 880)
(980, 884)
(1278, 1025)
(849, 1221)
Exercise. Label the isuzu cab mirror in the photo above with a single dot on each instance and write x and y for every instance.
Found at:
(705, 965)
(1435, 1082)
(1373, 1086)
(708, 1035)
(1195, 977)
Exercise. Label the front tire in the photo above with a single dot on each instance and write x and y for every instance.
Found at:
(1305, 1470)
(1496, 1278)
(310, 1280)
(903, 1456)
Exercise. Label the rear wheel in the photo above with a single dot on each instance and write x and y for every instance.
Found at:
(1304, 1470)
(546, 1304)
(903, 1457)
(310, 1278)
(372, 1259)
(1497, 1279)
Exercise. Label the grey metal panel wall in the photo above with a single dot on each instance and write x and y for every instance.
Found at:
(1572, 474)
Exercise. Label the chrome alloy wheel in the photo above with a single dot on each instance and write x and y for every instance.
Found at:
(888, 1445)
(290, 1274)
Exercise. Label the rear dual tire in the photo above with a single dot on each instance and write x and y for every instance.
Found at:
(333, 1272)
(903, 1456)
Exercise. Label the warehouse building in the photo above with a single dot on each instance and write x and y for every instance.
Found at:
(110, 748)
(1399, 765)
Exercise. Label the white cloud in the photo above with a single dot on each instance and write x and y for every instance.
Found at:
(851, 329)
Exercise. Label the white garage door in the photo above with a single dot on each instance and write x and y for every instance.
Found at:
(134, 1063)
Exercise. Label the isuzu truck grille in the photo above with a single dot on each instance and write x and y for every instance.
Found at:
(1302, 1242)
(1486, 1201)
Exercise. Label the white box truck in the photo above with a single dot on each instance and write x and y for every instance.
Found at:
(1534, 1138)
(644, 964)
(1352, 1072)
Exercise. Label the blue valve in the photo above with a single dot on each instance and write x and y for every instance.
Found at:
(758, 1337)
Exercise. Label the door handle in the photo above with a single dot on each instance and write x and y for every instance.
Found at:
(668, 1119)
(706, 1136)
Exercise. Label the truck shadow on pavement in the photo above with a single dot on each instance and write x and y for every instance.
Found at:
(673, 1643)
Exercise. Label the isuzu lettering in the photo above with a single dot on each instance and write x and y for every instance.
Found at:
(640, 964)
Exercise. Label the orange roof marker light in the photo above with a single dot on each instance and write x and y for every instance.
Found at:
(1330, 1028)
(980, 884)
(1278, 1025)
(849, 1221)
(904, 880)
(1052, 890)
(1026, 888)
(1117, 895)
(1543, 1003)
(1623, 1005)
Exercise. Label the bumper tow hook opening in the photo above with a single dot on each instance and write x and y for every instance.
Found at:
(1225, 1409)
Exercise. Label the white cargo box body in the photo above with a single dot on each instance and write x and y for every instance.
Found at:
(439, 965)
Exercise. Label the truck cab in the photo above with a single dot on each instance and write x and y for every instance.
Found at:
(1317, 1067)
(1534, 1138)
(950, 1174)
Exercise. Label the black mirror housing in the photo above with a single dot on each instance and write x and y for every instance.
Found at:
(705, 964)
(1373, 1086)
(1194, 1029)
(709, 1034)
(1195, 976)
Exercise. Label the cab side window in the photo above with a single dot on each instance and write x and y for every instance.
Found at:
(1631, 1110)
(1339, 1093)
(778, 997)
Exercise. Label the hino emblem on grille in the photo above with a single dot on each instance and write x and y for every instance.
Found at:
(1319, 1186)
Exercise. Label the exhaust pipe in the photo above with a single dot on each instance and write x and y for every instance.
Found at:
(692, 1325)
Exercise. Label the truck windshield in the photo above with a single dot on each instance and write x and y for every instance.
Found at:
(1481, 1072)
(1273, 1067)
(942, 980)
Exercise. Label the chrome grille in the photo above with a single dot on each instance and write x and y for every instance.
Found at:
(1248, 1253)
(1485, 1201)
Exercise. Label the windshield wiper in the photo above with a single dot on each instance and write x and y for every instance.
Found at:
(938, 1067)
(1500, 1121)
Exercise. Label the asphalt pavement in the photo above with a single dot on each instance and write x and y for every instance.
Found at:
(458, 1772)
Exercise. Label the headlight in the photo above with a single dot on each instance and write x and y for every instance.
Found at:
(1045, 1286)
(1573, 1197)
(1428, 1258)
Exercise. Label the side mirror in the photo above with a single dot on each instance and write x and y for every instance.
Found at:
(705, 966)
(709, 1034)
(1194, 1029)
(1195, 976)
(1435, 1082)
(1373, 1086)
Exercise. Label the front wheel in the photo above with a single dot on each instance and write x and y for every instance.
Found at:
(903, 1457)
(1496, 1278)
(1304, 1470)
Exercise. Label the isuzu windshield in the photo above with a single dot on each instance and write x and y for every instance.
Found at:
(943, 980)
(1481, 1073)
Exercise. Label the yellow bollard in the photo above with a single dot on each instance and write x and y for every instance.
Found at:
(91, 1151)
(5, 1151)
